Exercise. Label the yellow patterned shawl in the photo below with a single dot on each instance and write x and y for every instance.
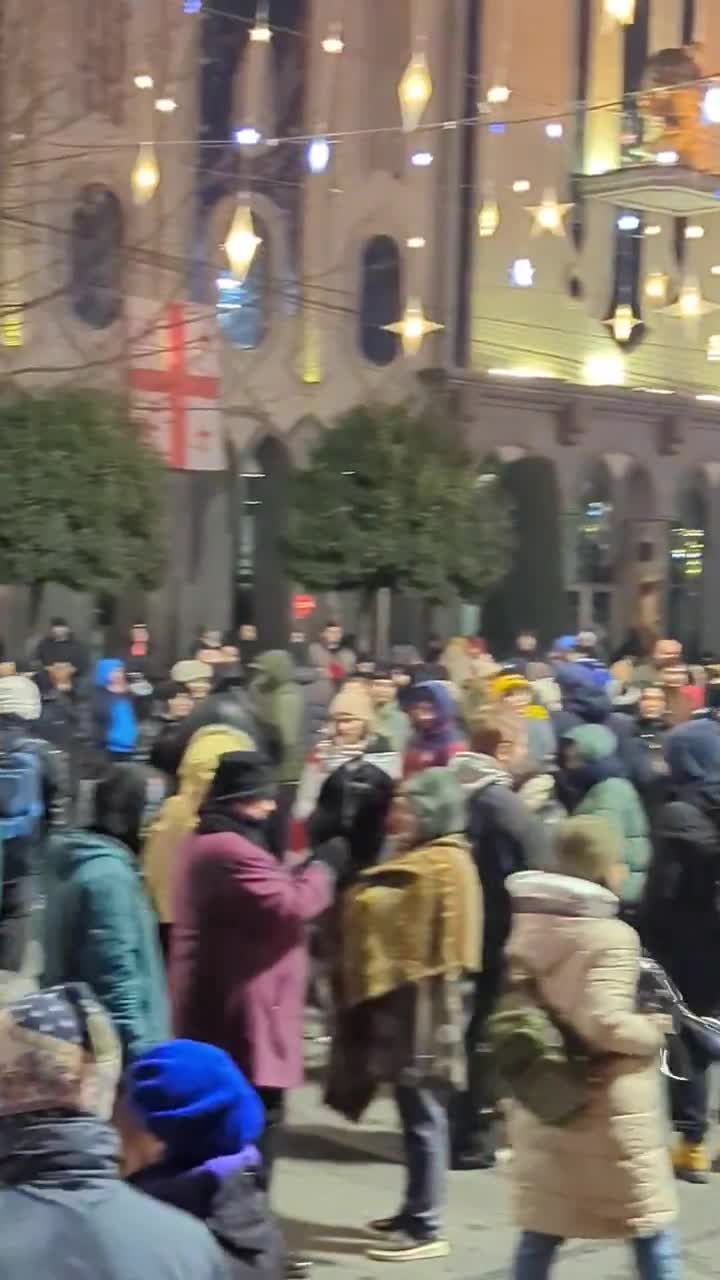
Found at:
(413, 917)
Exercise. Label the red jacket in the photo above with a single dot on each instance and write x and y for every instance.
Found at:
(238, 962)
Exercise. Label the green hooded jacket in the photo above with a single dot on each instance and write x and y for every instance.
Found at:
(98, 928)
(616, 799)
(278, 701)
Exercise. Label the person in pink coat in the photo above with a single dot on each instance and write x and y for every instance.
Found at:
(238, 964)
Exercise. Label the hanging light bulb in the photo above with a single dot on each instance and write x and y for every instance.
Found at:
(414, 91)
(261, 33)
(143, 80)
(713, 348)
(488, 219)
(145, 175)
(414, 327)
(242, 243)
(497, 94)
(318, 155)
(166, 104)
(549, 215)
(656, 284)
(622, 322)
(333, 42)
(623, 11)
(690, 302)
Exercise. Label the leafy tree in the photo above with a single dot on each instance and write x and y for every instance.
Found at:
(391, 498)
(81, 494)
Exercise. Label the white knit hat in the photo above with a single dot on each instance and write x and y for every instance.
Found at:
(19, 696)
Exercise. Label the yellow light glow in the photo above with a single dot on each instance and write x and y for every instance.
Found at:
(694, 231)
(415, 242)
(145, 176)
(242, 243)
(488, 219)
(414, 91)
(520, 185)
(549, 215)
(622, 322)
(520, 372)
(690, 302)
(653, 230)
(497, 94)
(414, 327)
(656, 285)
(12, 329)
(713, 348)
(261, 33)
(623, 11)
(606, 369)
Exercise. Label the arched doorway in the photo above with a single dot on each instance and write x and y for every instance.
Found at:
(686, 563)
(591, 551)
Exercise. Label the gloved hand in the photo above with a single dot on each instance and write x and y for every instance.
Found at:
(335, 854)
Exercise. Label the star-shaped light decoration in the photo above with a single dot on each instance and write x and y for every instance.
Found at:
(622, 322)
(690, 303)
(414, 327)
(549, 215)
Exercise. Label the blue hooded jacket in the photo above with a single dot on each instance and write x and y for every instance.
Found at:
(115, 720)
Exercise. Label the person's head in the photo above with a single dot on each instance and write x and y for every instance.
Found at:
(401, 677)
(365, 666)
(564, 649)
(273, 669)
(652, 703)
(526, 643)
(500, 736)
(61, 675)
(59, 630)
(693, 753)
(243, 784)
(191, 1101)
(431, 707)
(247, 633)
(20, 697)
(667, 653)
(126, 800)
(139, 633)
(588, 745)
(590, 848)
(352, 714)
(110, 674)
(172, 700)
(60, 1058)
(513, 690)
(382, 687)
(196, 676)
(332, 635)
(431, 805)
(587, 643)
(230, 652)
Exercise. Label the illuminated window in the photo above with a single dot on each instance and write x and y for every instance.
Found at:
(242, 309)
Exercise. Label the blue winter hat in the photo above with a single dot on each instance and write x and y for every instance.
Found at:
(194, 1099)
(104, 668)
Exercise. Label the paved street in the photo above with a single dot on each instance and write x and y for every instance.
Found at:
(337, 1176)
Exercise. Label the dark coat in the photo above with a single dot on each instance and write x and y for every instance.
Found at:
(238, 963)
(231, 1206)
(353, 804)
(231, 708)
(681, 907)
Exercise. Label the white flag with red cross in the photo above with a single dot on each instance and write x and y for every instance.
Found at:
(175, 383)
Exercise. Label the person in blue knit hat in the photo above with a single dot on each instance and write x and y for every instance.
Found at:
(189, 1121)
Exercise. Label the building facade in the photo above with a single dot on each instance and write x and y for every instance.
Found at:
(528, 111)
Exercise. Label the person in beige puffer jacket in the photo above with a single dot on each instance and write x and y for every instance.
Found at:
(607, 1173)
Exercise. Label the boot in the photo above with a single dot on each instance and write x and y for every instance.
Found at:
(473, 1114)
(690, 1162)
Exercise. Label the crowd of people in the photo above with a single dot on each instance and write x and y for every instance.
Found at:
(444, 853)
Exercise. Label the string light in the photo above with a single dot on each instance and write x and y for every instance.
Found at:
(414, 91)
(656, 285)
(498, 94)
(192, 6)
(520, 185)
(623, 11)
(554, 129)
(248, 137)
(242, 243)
(711, 104)
(166, 105)
(604, 370)
(261, 33)
(333, 42)
(667, 157)
(145, 176)
(143, 80)
(694, 232)
(421, 159)
(413, 328)
(549, 215)
(622, 322)
(652, 230)
(522, 273)
(318, 155)
(488, 219)
(690, 302)
(713, 348)
(415, 242)
(628, 222)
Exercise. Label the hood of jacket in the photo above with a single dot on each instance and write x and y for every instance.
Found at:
(438, 693)
(104, 669)
(76, 850)
(274, 668)
(200, 759)
(547, 909)
(693, 754)
(593, 742)
(475, 772)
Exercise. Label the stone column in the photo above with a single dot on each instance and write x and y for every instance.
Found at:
(711, 596)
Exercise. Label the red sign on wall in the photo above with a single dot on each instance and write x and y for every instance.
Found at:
(303, 606)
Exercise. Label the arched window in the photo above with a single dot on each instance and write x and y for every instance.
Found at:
(242, 309)
(97, 256)
(379, 299)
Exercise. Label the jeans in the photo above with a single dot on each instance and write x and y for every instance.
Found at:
(656, 1257)
(690, 1098)
(423, 1117)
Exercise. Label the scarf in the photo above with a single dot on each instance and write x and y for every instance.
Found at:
(216, 818)
(57, 1153)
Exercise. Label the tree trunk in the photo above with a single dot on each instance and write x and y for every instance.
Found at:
(37, 590)
(383, 603)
